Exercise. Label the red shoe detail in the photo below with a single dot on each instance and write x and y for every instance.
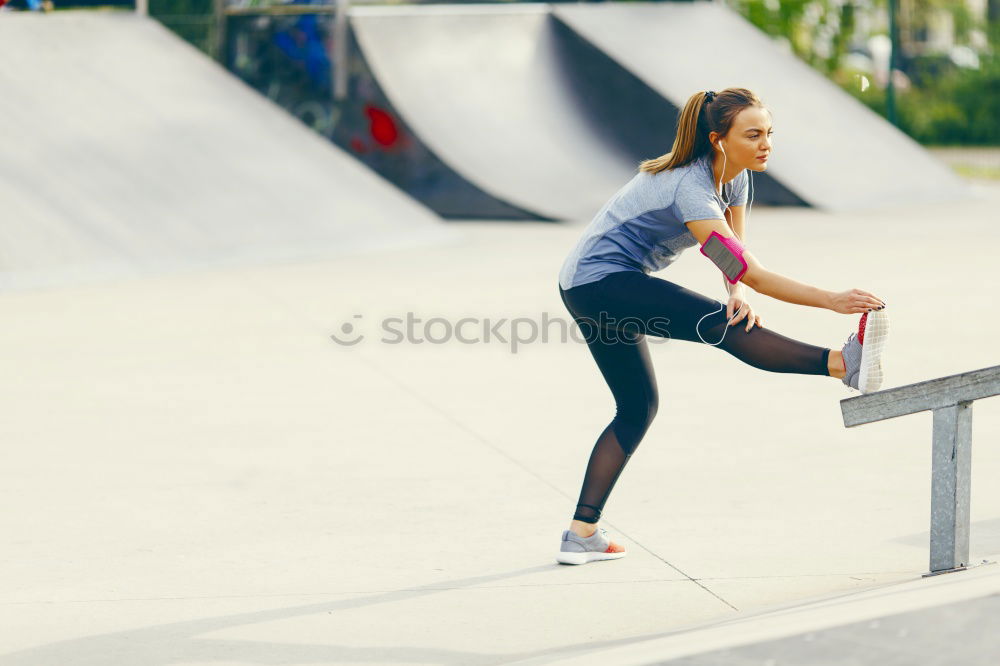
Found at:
(861, 328)
(614, 548)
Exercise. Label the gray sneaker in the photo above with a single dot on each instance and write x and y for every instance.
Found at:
(864, 352)
(575, 549)
(852, 360)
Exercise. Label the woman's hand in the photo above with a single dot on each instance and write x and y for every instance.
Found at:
(741, 308)
(854, 301)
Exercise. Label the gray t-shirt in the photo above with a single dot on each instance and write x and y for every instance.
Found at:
(641, 228)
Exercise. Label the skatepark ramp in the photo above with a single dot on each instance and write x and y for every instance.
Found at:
(829, 149)
(126, 152)
(550, 108)
(483, 87)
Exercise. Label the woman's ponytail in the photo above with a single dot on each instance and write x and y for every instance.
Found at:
(704, 112)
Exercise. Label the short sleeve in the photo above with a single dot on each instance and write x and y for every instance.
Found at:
(696, 202)
(739, 195)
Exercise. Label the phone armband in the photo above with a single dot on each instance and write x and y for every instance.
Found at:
(727, 254)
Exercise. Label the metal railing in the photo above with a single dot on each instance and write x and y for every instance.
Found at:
(950, 398)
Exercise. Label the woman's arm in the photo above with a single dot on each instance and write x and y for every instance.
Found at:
(769, 283)
(736, 215)
(732, 288)
(786, 289)
(852, 301)
(759, 278)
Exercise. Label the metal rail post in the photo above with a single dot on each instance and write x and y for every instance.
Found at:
(950, 399)
(340, 55)
(951, 480)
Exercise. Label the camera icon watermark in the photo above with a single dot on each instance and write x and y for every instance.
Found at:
(348, 336)
(514, 332)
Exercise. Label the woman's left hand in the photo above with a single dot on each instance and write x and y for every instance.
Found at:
(742, 309)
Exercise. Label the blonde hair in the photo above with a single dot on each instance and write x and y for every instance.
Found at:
(696, 120)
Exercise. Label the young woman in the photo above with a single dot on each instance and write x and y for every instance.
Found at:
(692, 195)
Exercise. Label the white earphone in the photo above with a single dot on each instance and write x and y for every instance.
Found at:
(723, 169)
(726, 329)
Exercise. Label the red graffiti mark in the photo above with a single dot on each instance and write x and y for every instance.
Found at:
(383, 127)
(358, 146)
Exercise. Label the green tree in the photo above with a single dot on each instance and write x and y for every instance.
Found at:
(817, 31)
(945, 104)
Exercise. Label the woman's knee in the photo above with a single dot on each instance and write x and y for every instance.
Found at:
(633, 420)
(652, 404)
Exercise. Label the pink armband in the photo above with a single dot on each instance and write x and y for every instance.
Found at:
(727, 254)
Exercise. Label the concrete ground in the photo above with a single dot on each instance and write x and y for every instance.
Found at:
(195, 473)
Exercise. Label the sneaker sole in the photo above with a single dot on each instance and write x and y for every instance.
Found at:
(583, 558)
(872, 368)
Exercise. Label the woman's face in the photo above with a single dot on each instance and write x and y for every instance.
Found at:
(748, 139)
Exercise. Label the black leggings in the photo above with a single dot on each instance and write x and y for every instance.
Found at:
(615, 314)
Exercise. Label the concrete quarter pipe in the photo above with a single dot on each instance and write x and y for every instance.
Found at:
(126, 151)
(504, 97)
(829, 149)
(482, 86)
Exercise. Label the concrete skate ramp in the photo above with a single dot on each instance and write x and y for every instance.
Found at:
(482, 87)
(829, 149)
(124, 150)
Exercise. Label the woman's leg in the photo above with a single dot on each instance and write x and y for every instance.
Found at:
(646, 303)
(623, 359)
(614, 315)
